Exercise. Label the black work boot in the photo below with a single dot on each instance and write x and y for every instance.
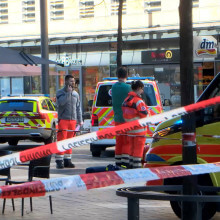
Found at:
(60, 164)
(68, 163)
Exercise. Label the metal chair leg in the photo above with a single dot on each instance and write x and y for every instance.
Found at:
(3, 207)
(51, 205)
(22, 207)
(31, 206)
(13, 204)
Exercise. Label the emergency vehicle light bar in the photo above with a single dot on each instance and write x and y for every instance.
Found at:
(20, 95)
(131, 78)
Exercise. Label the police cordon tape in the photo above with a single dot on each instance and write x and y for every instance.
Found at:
(89, 181)
(6, 126)
(61, 146)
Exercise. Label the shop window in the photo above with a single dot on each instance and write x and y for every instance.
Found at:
(92, 75)
(152, 5)
(57, 10)
(5, 86)
(86, 9)
(17, 85)
(36, 84)
(115, 5)
(28, 11)
(3, 11)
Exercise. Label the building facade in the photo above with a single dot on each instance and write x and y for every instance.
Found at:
(83, 36)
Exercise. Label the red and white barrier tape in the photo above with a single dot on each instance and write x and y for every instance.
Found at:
(12, 126)
(89, 181)
(61, 146)
(206, 135)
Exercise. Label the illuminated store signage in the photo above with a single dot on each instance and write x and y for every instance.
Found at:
(160, 56)
(205, 46)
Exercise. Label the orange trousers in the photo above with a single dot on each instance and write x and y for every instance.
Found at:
(135, 144)
(62, 135)
(120, 141)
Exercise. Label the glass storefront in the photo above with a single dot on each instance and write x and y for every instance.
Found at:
(168, 78)
(92, 75)
(5, 86)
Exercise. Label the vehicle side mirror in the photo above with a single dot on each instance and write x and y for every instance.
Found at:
(90, 103)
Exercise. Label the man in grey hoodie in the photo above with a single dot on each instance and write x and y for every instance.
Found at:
(69, 113)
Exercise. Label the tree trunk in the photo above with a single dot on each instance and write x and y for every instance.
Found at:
(189, 209)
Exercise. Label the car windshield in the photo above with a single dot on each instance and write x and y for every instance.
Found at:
(104, 98)
(16, 105)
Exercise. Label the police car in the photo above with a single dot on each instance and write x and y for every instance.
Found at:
(102, 111)
(27, 117)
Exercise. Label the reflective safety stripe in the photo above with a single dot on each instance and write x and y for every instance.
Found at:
(104, 114)
(138, 102)
(137, 162)
(137, 131)
(131, 119)
(59, 157)
(68, 156)
(125, 159)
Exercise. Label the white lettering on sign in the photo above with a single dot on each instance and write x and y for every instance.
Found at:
(66, 61)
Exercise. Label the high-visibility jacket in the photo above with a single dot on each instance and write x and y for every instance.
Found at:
(134, 108)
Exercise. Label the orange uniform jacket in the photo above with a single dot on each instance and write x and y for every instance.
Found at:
(134, 108)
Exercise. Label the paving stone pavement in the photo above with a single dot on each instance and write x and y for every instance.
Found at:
(99, 204)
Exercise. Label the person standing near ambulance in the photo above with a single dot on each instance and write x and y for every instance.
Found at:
(120, 91)
(135, 108)
(69, 113)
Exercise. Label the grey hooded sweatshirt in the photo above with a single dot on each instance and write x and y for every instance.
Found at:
(68, 104)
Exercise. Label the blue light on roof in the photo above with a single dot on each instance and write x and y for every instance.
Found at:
(179, 122)
(130, 78)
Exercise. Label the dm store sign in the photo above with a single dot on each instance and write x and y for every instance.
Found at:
(205, 47)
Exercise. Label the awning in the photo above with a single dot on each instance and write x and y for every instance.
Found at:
(7, 70)
(9, 56)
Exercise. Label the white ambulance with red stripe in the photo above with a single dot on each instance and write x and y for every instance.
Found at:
(102, 111)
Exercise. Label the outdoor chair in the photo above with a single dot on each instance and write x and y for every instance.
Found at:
(37, 168)
(6, 173)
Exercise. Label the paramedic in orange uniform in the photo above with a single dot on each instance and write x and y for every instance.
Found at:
(69, 113)
(135, 108)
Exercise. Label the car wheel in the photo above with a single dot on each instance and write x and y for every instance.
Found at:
(96, 153)
(13, 142)
(97, 149)
(208, 208)
(52, 138)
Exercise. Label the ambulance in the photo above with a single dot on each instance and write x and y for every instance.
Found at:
(168, 151)
(102, 111)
